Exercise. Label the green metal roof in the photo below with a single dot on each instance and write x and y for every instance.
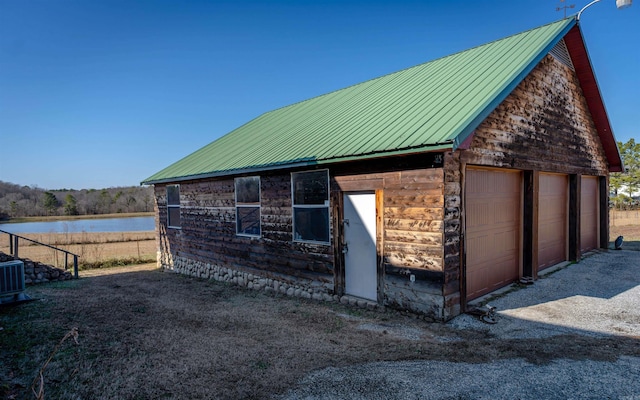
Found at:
(432, 106)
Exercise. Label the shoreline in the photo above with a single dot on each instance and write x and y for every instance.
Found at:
(51, 218)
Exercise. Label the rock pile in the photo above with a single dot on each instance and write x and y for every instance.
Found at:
(37, 272)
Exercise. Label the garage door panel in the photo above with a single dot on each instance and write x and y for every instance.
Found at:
(478, 214)
(492, 247)
(492, 269)
(479, 250)
(492, 229)
(507, 242)
(507, 209)
(552, 220)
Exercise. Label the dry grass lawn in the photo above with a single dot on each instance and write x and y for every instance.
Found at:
(91, 247)
(148, 334)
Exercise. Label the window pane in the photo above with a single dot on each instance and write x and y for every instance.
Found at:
(173, 195)
(248, 190)
(310, 187)
(311, 224)
(248, 220)
(174, 216)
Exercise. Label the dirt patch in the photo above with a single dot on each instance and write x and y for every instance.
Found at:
(153, 334)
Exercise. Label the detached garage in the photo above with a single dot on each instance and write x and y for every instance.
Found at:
(419, 190)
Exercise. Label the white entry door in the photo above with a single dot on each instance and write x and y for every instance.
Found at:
(360, 245)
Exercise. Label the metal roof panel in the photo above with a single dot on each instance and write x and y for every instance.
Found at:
(421, 107)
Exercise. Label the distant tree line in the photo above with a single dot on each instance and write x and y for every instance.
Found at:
(625, 185)
(28, 201)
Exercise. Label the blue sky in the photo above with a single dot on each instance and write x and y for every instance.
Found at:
(97, 93)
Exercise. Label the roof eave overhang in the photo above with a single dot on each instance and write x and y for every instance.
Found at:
(589, 85)
(301, 164)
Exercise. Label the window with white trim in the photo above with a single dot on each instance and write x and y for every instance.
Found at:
(248, 206)
(310, 195)
(173, 206)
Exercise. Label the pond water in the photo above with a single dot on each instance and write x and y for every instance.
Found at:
(129, 224)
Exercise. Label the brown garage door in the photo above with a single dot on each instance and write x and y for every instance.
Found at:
(492, 229)
(552, 220)
(588, 213)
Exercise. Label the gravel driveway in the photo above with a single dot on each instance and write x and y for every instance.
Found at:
(598, 297)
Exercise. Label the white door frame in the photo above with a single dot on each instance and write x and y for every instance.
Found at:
(359, 245)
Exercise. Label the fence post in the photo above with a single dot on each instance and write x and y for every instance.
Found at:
(75, 266)
(15, 246)
(66, 260)
(11, 244)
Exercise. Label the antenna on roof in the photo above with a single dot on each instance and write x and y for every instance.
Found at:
(564, 7)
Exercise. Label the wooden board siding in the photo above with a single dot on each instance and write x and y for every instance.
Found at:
(453, 245)
(410, 235)
(412, 203)
(208, 232)
(413, 214)
(543, 125)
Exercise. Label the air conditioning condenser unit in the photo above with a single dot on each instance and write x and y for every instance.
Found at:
(12, 282)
